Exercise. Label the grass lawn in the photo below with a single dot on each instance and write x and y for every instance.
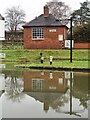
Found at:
(60, 57)
(61, 64)
(30, 55)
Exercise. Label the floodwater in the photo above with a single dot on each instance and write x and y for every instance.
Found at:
(43, 94)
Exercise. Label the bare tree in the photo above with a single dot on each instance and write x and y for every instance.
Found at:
(59, 9)
(14, 21)
(14, 88)
(14, 18)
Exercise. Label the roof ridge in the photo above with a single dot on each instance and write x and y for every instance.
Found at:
(44, 21)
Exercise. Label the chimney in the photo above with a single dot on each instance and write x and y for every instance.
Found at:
(46, 11)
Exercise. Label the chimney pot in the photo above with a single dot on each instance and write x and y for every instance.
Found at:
(46, 11)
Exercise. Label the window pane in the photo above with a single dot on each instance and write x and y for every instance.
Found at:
(37, 33)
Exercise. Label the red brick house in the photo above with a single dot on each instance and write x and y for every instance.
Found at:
(44, 32)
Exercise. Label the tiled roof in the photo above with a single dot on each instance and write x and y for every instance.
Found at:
(1, 18)
(42, 21)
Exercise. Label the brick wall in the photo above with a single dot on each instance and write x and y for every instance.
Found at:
(82, 45)
(50, 39)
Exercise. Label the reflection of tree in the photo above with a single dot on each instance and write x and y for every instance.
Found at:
(14, 87)
(53, 100)
(82, 96)
(60, 101)
(80, 90)
(84, 102)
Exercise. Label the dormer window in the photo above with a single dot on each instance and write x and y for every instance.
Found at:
(37, 33)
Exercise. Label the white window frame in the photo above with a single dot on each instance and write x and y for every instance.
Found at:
(60, 37)
(37, 33)
(37, 83)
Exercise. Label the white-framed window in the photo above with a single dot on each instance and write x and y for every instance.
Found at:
(60, 37)
(37, 83)
(37, 33)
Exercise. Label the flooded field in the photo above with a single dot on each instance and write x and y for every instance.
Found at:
(43, 94)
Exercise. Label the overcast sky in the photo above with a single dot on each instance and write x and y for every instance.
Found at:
(34, 8)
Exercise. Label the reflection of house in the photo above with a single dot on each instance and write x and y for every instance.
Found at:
(48, 99)
(47, 87)
(47, 82)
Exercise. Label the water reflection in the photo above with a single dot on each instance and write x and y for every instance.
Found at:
(48, 82)
(12, 85)
(62, 94)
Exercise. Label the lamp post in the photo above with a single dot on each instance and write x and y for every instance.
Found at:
(70, 39)
(71, 20)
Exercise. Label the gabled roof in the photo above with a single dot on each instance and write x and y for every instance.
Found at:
(42, 21)
(1, 18)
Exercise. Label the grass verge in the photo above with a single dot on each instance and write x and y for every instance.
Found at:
(61, 58)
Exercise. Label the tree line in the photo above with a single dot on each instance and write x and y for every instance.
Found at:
(15, 18)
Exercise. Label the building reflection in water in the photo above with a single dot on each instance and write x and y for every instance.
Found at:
(47, 87)
(54, 89)
(48, 82)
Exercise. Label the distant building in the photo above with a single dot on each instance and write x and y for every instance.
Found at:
(44, 32)
(17, 36)
(2, 28)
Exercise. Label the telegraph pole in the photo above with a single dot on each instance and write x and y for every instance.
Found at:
(71, 39)
(71, 19)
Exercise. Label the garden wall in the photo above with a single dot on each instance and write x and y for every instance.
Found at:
(82, 45)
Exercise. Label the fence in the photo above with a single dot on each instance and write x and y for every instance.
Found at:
(11, 45)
